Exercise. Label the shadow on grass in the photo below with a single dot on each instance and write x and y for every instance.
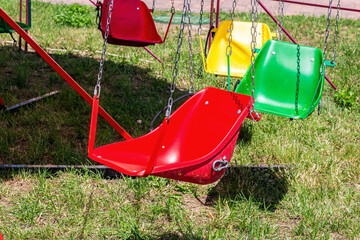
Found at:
(55, 130)
(264, 185)
(245, 134)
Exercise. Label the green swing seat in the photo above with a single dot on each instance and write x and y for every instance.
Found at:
(5, 27)
(276, 70)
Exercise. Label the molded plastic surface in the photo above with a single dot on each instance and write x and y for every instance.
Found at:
(240, 59)
(5, 27)
(204, 129)
(131, 24)
(276, 79)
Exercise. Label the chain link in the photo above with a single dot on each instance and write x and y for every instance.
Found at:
(281, 17)
(201, 17)
(172, 6)
(102, 60)
(336, 31)
(229, 47)
(153, 6)
(177, 58)
(191, 75)
(256, 11)
(254, 14)
(298, 81)
(323, 65)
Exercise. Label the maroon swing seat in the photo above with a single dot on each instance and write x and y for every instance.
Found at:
(131, 24)
(199, 134)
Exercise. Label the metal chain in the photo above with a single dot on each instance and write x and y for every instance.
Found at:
(256, 11)
(177, 58)
(336, 31)
(98, 19)
(191, 75)
(153, 6)
(298, 81)
(229, 47)
(254, 14)
(172, 7)
(281, 14)
(323, 65)
(201, 17)
(98, 84)
(228, 50)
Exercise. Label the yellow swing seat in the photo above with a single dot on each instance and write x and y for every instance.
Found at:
(216, 60)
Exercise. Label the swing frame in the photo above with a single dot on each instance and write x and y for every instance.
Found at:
(26, 26)
(182, 147)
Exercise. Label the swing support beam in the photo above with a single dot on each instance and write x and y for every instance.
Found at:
(291, 38)
(319, 5)
(62, 73)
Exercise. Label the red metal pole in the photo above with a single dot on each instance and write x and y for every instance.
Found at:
(62, 73)
(20, 17)
(152, 54)
(291, 38)
(320, 5)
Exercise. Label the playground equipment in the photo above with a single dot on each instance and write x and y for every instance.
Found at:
(215, 9)
(289, 77)
(182, 147)
(131, 24)
(6, 28)
(288, 81)
(216, 61)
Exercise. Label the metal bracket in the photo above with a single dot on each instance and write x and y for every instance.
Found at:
(222, 164)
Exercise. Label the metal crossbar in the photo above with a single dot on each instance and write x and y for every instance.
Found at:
(319, 5)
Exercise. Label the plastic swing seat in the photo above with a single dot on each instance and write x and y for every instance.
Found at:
(199, 137)
(216, 60)
(276, 79)
(131, 24)
(5, 27)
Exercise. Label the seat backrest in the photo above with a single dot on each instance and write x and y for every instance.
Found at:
(202, 124)
(131, 20)
(276, 69)
(241, 46)
(4, 27)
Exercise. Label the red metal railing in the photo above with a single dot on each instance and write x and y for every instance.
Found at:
(320, 5)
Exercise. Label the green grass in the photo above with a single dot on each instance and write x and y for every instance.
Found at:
(318, 198)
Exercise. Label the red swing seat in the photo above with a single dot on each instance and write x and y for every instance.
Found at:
(201, 131)
(131, 24)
